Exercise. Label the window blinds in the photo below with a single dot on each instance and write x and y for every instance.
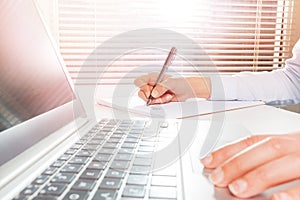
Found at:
(236, 35)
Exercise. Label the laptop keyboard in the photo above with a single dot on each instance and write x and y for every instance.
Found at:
(113, 160)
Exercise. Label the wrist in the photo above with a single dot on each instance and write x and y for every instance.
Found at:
(201, 86)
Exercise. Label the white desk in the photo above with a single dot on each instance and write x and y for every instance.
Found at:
(257, 120)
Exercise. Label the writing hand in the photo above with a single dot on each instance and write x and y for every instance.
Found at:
(172, 89)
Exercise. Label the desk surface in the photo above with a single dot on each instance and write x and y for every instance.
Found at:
(261, 119)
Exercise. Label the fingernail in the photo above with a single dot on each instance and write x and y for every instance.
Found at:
(154, 93)
(238, 186)
(281, 196)
(169, 97)
(216, 176)
(207, 160)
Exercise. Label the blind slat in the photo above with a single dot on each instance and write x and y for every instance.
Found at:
(240, 35)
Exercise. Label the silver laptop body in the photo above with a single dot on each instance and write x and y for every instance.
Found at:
(50, 148)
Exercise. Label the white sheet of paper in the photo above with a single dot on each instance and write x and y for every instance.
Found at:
(174, 110)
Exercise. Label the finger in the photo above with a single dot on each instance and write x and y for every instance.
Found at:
(146, 89)
(163, 87)
(264, 152)
(221, 155)
(142, 96)
(292, 194)
(158, 91)
(270, 174)
(174, 98)
(165, 98)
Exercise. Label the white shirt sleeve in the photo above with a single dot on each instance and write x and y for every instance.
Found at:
(278, 85)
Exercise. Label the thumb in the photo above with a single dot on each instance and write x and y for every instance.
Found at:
(162, 88)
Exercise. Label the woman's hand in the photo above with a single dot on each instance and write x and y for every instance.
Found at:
(172, 89)
(257, 163)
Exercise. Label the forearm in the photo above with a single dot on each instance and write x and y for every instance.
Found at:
(263, 86)
(278, 85)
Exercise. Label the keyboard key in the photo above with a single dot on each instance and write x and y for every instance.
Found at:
(107, 151)
(126, 151)
(78, 160)
(102, 157)
(106, 130)
(169, 171)
(20, 198)
(134, 191)
(49, 171)
(57, 164)
(76, 195)
(95, 141)
(103, 194)
(64, 157)
(29, 190)
(121, 131)
(127, 121)
(76, 146)
(142, 161)
(86, 137)
(140, 169)
(137, 179)
(40, 180)
(91, 147)
(147, 144)
(110, 183)
(164, 125)
(84, 185)
(131, 198)
(137, 129)
(110, 145)
(81, 141)
(116, 137)
(97, 165)
(91, 174)
(144, 155)
(85, 153)
(99, 137)
(71, 168)
(129, 145)
(44, 198)
(115, 174)
(131, 140)
(54, 189)
(125, 125)
(164, 181)
(119, 165)
(63, 178)
(124, 157)
(163, 192)
(71, 151)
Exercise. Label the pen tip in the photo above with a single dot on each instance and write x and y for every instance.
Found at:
(148, 102)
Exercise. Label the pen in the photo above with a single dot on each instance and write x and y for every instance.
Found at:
(162, 72)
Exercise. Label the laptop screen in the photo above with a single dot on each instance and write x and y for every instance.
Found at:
(32, 80)
(36, 98)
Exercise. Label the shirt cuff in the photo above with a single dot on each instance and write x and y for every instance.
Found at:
(223, 88)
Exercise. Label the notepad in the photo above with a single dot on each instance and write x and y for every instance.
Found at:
(174, 110)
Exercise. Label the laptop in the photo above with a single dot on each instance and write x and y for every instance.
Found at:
(51, 148)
